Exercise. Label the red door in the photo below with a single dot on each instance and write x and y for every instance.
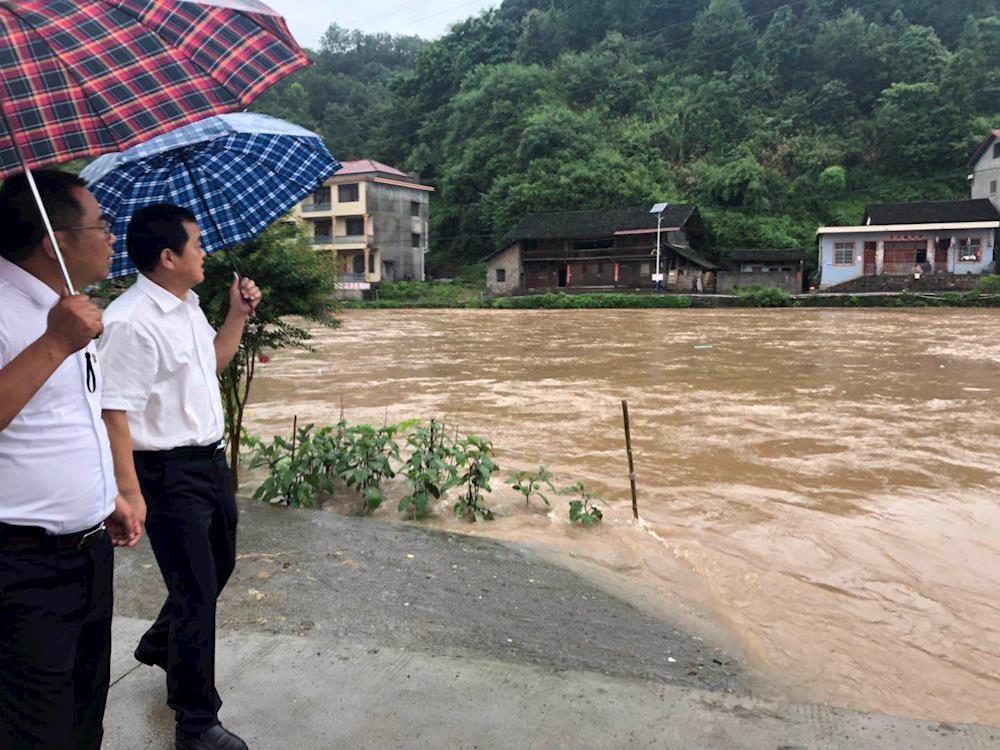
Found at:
(868, 267)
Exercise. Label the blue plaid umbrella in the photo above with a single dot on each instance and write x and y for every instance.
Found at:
(237, 173)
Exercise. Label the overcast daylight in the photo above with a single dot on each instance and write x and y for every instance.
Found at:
(308, 19)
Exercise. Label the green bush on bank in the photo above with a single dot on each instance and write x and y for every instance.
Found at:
(757, 296)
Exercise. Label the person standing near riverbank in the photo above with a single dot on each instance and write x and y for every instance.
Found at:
(60, 512)
(163, 409)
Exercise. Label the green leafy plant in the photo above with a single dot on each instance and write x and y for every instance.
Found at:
(366, 459)
(430, 469)
(530, 483)
(477, 470)
(294, 476)
(584, 509)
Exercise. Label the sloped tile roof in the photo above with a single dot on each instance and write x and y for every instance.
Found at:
(930, 212)
(368, 166)
(978, 153)
(782, 255)
(575, 225)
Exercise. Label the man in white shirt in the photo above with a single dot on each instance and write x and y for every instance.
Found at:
(58, 498)
(163, 410)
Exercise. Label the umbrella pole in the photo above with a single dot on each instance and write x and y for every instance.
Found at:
(208, 212)
(38, 200)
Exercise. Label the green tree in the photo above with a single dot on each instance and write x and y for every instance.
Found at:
(722, 33)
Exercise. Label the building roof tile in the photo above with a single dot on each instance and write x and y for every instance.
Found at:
(595, 224)
(930, 212)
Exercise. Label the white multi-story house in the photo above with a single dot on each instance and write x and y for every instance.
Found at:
(373, 219)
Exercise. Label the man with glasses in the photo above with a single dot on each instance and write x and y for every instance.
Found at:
(60, 511)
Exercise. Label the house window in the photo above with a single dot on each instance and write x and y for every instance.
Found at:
(415, 208)
(355, 226)
(969, 250)
(843, 253)
(321, 196)
(415, 239)
(501, 275)
(996, 150)
(348, 193)
(323, 230)
(993, 187)
(371, 262)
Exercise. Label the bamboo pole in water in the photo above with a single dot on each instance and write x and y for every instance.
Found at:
(631, 465)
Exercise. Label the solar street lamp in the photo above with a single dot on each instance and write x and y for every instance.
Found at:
(658, 209)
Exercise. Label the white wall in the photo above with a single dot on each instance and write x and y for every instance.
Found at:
(987, 171)
(837, 274)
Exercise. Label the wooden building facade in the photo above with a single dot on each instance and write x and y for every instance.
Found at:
(611, 249)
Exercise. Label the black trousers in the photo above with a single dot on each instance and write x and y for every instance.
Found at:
(55, 647)
(191, 524)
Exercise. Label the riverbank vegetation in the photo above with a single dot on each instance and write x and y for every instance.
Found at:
(315, 465)
(774, 117)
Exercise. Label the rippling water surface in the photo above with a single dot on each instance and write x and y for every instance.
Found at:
(819, 487)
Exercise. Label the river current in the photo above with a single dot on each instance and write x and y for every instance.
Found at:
(818, 489)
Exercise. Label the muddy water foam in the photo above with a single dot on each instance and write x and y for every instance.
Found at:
(820, 485)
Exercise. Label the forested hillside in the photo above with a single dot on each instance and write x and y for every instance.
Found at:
(774, 117)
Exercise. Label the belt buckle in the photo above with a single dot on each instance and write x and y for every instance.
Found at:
(99, 529)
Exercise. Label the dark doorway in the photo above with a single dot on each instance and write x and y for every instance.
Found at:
(562, 276)
(941, 256)
(868, 269)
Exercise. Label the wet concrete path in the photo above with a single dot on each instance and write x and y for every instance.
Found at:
(351, 633)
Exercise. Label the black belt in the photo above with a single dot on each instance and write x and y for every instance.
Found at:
(36, 539)
(212, 452)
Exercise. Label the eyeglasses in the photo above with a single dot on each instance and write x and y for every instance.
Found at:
(104, 226)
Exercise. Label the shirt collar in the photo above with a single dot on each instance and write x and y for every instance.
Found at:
(165, 300)
(32, 287)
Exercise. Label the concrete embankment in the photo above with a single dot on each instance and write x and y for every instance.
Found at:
(349, 633)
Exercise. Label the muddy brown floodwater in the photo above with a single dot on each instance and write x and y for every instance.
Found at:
(818, 487)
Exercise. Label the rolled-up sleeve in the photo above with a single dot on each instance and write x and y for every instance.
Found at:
(129, 361)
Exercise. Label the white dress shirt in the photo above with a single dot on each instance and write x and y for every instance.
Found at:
(158, 354)
(55, 460)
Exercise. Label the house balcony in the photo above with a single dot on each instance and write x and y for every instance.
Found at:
(355, 239)
(322, 240)
(314, 208)
(350, 278)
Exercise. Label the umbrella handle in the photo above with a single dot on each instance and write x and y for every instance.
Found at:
(38, 200)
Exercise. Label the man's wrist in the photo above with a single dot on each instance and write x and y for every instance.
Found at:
(238, 314)
(55, 347)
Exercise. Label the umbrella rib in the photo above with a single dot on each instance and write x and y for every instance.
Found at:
(71, 75)
(89, 93)
(244, 14)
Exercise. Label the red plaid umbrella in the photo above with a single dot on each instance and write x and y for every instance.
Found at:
(87, 77)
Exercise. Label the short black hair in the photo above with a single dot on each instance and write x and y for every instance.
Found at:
(22, 223)
(154, 228)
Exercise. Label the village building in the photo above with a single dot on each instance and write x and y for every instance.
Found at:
(602, 250)
(905, 239)
(373, 219)
(985, 164)
(780, 268)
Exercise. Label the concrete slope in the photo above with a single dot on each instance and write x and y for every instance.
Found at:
(348, 633)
